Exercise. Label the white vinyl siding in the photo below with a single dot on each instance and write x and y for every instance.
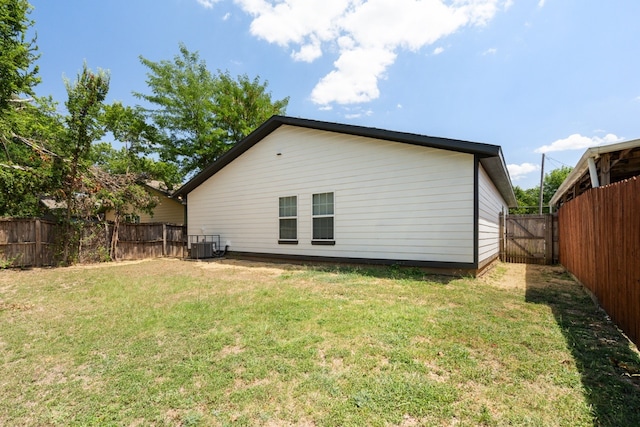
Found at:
(396, 201)
(490, 204)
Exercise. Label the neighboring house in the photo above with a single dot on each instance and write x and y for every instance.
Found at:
(306, 190)
(168, 210)
(599, 166)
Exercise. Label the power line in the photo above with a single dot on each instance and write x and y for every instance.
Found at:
(557, 161)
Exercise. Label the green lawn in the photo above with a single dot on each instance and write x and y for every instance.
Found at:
(180, 343)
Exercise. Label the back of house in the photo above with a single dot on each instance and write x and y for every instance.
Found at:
(304, 190)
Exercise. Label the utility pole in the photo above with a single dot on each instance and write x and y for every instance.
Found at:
(541, 185)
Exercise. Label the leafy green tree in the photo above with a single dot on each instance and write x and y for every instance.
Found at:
(25, 123)
(552, 182)
(84, 105)
(121, 161)
(123, 195)
(128, 126)
(242, 105)
(27, 159)
(18, 74)
(201, 114)
(529, 199)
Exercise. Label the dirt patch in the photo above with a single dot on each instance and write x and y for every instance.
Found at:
(244, 266)
(523, 276)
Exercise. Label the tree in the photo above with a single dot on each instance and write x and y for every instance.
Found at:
(27, 159)
(529, 199)
(128, 126)
(123, 195)
(242, 105)
(85, 101)
(25, 123)
(18, 74)
(552, 182)
(201, 114)
(121, 161)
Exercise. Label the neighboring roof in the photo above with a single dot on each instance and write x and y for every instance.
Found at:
(159, 186)
(490, 155)
(52, 204)
(580, 174)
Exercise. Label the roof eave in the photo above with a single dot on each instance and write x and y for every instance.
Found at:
(583, 165)
(483, 151)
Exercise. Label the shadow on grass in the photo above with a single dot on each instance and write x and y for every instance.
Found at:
(607, 361)
(395, 272)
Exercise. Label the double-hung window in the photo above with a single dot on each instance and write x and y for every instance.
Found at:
(288, 217)
(323, 213)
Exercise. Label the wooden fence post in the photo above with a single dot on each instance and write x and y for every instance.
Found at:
(548, 239)
(164, 239)
(38, 248)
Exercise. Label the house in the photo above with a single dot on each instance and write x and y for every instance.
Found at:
(599, 166)
(168, 209)
(307, 190)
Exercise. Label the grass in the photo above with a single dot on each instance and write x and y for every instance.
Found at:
(178, 343)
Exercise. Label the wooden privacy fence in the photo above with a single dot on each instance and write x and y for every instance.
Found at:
(33, 242)
(600, 245)
(27, 242)
(529, 239)
(138, 241)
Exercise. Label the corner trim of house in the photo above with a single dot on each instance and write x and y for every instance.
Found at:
(476, 210)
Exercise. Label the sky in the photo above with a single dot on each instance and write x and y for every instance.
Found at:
(533, 76)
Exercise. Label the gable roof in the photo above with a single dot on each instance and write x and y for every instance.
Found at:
(490, 155)
(626, 165)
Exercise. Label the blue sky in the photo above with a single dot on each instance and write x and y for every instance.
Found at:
(533, 76)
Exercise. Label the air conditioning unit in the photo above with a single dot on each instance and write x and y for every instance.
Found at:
(202, 250)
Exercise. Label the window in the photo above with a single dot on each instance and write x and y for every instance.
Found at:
(288, 216)
(132, 219)
(323, 219)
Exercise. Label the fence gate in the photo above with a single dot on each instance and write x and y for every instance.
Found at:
(529, 239)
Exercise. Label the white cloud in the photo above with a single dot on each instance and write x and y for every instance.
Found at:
(508, 4)
(438, 50)
(578, 142)
(491, 51)
(541, 3)
(366, 35)
(207, 3)
(308, 52)
(355, 78)
(520, 171)
(226, 16)
(358, 113)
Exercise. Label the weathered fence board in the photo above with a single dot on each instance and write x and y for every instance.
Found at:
(31, 242)
(26, 242)
(600, 245)
(529, 239)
